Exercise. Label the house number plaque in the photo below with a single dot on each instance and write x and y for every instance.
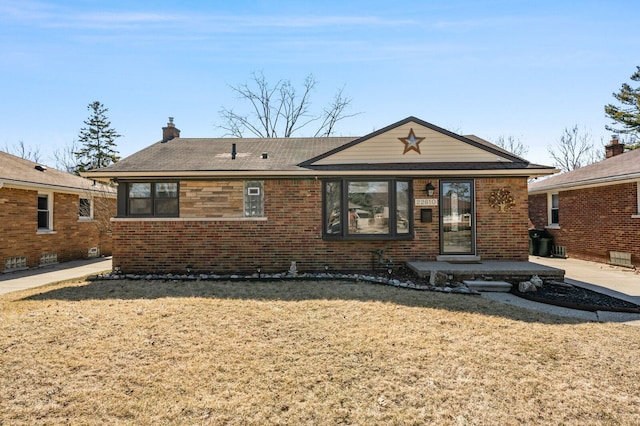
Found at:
(426, 201)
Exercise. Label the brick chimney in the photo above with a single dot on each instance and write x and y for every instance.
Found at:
(614, 148)
(170, 132)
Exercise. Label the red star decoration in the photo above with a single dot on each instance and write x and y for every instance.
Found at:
(411, 142)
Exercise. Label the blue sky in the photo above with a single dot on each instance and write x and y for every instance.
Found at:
(526, 69)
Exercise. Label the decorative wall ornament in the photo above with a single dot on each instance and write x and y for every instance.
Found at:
(411, 142)
(502, 199)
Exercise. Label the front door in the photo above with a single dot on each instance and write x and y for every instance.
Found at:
(457, 217)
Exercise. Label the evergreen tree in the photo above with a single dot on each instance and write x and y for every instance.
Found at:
(96, 140)
(628, 114)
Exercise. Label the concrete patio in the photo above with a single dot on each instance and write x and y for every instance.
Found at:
(487, 270)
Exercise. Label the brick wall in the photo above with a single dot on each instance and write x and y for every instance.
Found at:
(502, 235)
(293, 232)
(71, 238)
(538, 210)
(595, 221)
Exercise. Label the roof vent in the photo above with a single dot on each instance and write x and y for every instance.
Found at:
(40, 167)
(265, 155)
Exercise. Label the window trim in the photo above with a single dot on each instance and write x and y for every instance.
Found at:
(550, 208)
(636, 215)
(123, 199)
(393, 233)
(49, 227)
(85, 218)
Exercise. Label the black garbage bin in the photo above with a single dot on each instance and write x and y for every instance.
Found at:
(534, 241)
(544, 248)
(540, 242)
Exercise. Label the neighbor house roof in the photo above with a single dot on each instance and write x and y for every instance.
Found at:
(21, 173)
(618, 169)
(382, 151)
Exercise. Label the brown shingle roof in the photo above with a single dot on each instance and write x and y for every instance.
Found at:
(18, 171)
(199, 154)
(198, 157)
(621, 167)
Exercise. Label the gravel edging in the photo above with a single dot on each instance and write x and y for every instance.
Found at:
(256, 277)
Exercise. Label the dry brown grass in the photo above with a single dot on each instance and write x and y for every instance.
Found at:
(125, 352)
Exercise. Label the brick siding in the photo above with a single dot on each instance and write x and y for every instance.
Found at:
(293, 232)
(70, 240)
(538, 210)
(595, 221)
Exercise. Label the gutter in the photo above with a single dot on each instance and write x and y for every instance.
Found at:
(313, 173)
(10, 183)
(591, 183)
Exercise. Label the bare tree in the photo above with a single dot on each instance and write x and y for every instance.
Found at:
(65, 158)
(574, 150)
(513, 145)
(280, 110)
(23, 151)
(101, 208)
(334, 113)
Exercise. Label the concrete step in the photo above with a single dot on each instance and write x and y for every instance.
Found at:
(480, 285)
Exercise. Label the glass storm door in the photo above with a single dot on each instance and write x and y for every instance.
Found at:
(457, 225)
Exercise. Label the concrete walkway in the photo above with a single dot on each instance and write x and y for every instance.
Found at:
(36, 277)
(623, 283)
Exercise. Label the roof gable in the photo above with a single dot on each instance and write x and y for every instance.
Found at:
(413, 141)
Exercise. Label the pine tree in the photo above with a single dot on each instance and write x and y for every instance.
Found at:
(627, 115)
(97, 140)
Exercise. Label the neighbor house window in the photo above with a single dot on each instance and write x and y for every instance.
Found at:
(554, 210)
(44, 212)
(367, 209)
(253, 199)
(85, 208)
(152, 199)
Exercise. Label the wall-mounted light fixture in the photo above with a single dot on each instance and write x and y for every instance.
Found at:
(430, 189)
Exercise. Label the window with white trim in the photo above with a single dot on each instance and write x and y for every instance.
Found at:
(85, 208)
(637, 198)
(554, 209)
(45, 210)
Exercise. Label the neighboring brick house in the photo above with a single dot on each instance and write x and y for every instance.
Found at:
(48, 216)
(593, 211)
(410, 191)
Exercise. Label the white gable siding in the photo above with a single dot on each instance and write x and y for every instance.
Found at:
(387, 148)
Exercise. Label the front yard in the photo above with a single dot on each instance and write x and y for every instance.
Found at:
(329, 352)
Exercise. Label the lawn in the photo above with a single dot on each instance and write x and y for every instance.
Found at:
(328, 352)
